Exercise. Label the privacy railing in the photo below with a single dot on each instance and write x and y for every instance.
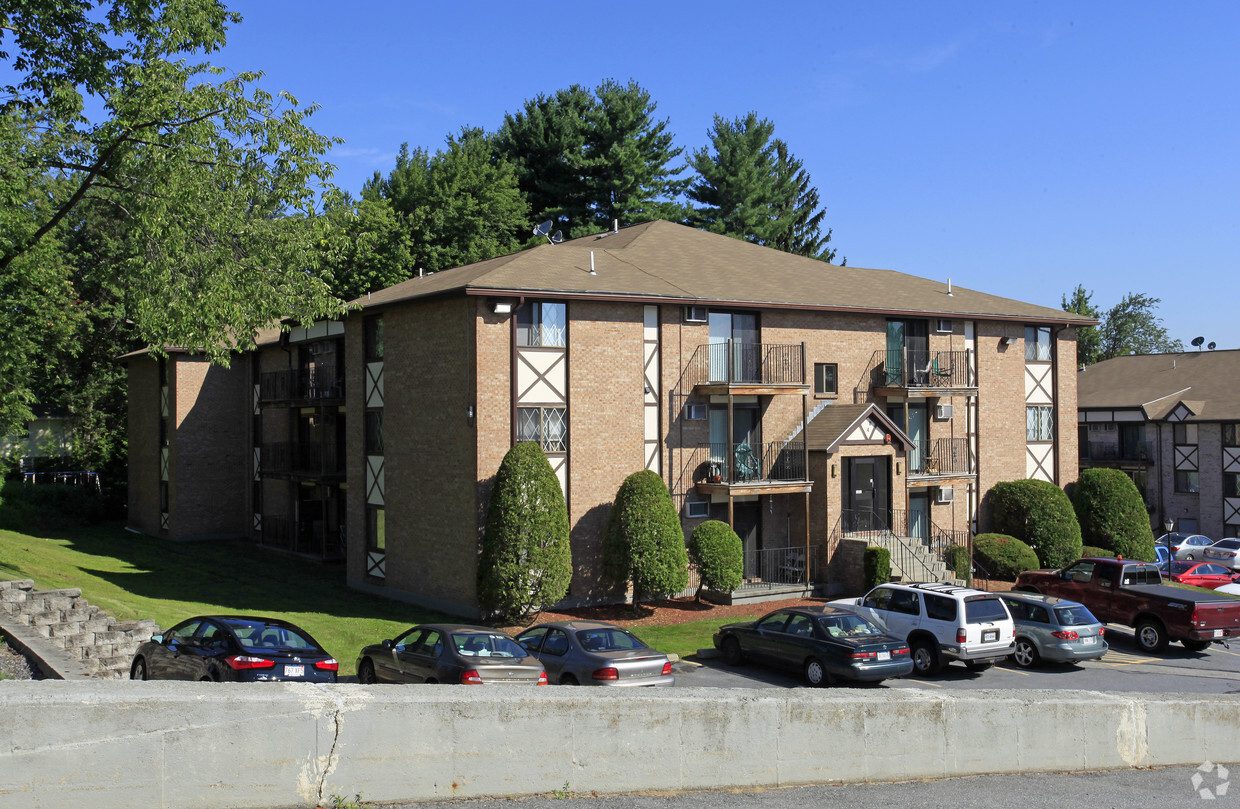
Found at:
(773, 566)
(737, 363)
(320, 382)
(311, 537)
(921, 368)
(943, 456)
(1106, 451)
(742, 463)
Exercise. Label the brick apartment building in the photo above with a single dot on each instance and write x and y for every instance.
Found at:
(1172, 423)
(801, 402)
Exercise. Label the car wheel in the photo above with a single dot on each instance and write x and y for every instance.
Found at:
(1151, 636)
(1026, 654)
(366, 673)
(138, 672)
(732, 654)
(925, 657)
(1196, 645)
(978, 665)
(816, 674)
(1189, 557)
(569, 679)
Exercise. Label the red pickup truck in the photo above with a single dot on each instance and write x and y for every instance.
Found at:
(1133, 594)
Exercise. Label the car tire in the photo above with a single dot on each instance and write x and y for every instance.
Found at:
(1151, 636)
(925, 657)
(1188, 558)
(978, 665)
(1196, 645)
(732, 654)
(366, 673)
(816, 673)
(569, 679)
(138, 671)
(1025, 654)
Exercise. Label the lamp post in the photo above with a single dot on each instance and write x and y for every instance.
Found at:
(1169, 524)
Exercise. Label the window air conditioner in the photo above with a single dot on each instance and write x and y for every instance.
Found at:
(695, 412)
(944, 494)
(943, 411)
(695, 314)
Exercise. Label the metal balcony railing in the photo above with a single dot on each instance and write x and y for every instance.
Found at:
(1109, 451)
(737, 363)
(315, 459)
(921, 368)
(742, 463)
(318, 383)
(309, 537)
(943, 456)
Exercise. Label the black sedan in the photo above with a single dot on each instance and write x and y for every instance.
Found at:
(450, 653)
(824, 643)
(234, 648)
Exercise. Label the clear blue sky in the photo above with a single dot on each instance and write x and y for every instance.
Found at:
(1017, 148)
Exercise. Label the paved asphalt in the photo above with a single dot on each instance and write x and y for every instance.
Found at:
(1168, 788)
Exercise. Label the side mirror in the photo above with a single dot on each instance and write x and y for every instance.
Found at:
(387, 643)
(157, 638)
(1065, 575)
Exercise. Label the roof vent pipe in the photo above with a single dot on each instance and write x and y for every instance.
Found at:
(615, 226)
(949, 287)
(592, 272)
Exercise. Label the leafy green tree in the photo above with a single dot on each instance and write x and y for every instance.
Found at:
(1112, 514)
(585, 158)
(1088, 338)
(1039, 514)
(1003, 557)
(643, 542)
(526, 561)
(363, 246)
(719, 556)
(460, 206)
(1133, 326)
(750, 186)
(199, 169)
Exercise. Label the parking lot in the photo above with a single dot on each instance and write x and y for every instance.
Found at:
(1123, 668)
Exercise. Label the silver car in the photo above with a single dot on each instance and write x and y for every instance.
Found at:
(449, 653)
(1053, 629)
(595, 653)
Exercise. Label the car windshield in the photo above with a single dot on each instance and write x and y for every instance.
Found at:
(1074, 616)
(260, 635)
(984, 608)
(608, 640)
(476, 644)
(847, 626)
(1228, 544)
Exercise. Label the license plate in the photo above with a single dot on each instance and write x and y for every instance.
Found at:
(1088, 639)
(989, 635)
(884, 655)
(1218, 633)
(294, 671)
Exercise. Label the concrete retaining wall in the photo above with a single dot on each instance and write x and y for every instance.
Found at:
(180, 745)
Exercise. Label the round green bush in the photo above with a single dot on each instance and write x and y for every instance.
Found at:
(1090, 550)
(960, 562)
(719, 556)
(1039, 514)
(1112, 514)
(643, 541)
(876, 567)
(1003, 557)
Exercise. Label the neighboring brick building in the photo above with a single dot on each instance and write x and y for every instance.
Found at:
(799, 401)
(1172, 423)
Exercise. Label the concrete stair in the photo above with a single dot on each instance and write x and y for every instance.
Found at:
(919, 562)
(65, 621)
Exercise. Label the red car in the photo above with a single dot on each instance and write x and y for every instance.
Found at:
(1201, 574)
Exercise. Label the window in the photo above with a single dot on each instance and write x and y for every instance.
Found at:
(1232, 529)
(542, 324)
(825, 378)
(374, 432)
(373, 327)
(1105, 427)
(696, 411)
(1039, 423)
(1231, 435)
(546, 426)
(1037, 343)
(943, 326)
(697, 508)
(1184, 433)
(376, 530)
(1186, 481)
(940, 608)
(905, 602)
(1231, 487)
(556, 643)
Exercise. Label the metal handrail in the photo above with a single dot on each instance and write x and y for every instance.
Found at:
(922, 368)
(318, 382)
(774, 461)
(734, 362)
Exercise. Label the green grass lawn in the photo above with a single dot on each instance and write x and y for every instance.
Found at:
(133, 576)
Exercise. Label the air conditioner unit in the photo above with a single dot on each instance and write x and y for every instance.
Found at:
(943, 412)
(943, 326)
(944, 494)
(695, 412)
(695, 314)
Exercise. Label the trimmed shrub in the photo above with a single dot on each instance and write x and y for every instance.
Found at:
(34, 507)
(1039, 514)
(1112, 514)
(876, 567)
(719, 556)
(644, 542)
(526, 562)
(1004, 557)
(1090, 550)
(960, 562)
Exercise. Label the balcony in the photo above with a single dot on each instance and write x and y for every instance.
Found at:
(919, 372)
(747, 368)
(1109, 452)
(314, 459)
(941, 458)
(313, 538)
(773, 468)
(319, 383)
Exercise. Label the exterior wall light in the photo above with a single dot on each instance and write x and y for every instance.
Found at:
(502, 307)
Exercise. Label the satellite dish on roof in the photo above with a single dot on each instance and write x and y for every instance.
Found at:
(1197, 341)
(556, 237)
(1211, 345)
(542, 228)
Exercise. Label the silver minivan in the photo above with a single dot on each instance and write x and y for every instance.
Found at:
(1053, 629)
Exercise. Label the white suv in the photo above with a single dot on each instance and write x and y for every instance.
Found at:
(941, 623)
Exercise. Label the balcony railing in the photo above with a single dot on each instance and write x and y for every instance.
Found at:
(314, 459)
(743, 464)
(943, 456)
(1107, 451)
(768, 566)
(737, 363)
(920, 368)
(318, 383)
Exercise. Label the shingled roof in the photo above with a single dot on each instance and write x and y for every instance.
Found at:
(663, 262)
(1204, 380)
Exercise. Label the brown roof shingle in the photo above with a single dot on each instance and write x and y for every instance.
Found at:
(1157, 382)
